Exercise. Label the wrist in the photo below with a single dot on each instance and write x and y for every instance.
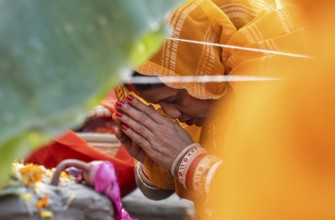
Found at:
(195, 170)
(177, 161)
(148, 189)
(143, 177)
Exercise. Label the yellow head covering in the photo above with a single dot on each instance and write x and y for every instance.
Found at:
(253, 23)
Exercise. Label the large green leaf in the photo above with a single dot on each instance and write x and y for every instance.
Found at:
(59, 57)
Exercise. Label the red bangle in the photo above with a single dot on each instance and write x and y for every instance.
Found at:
(174, 169)
(191, 169)
(186, 162)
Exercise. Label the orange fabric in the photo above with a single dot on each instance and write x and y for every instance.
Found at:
(159, 176)
(247, 23)
(70, 146)
(162, 179)
(279, 162)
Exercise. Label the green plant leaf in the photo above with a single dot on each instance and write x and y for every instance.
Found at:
(59, 58)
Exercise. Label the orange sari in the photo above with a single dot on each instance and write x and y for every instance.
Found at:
(280, 164)
(257, 24)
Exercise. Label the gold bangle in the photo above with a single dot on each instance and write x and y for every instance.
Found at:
(210, 174)
(200, 173)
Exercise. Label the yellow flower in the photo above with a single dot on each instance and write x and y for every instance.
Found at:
(47, 214)
(65, 175)
(27, 196)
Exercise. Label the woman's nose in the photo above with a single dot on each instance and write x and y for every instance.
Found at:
(171, 111)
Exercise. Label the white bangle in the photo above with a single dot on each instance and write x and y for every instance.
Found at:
(141, 176)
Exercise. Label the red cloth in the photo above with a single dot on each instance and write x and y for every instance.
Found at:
(71, 146)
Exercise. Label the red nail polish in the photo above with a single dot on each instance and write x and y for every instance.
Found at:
(124, 127)
(119, 103)
(118, 114)
(130, 98)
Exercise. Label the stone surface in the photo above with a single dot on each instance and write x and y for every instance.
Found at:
(172, 208)
(89, 205)
(85, 205)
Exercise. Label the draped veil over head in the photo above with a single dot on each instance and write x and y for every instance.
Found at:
(256, 24)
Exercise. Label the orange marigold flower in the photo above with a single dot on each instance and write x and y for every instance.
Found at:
(30, 174)
(42, 202)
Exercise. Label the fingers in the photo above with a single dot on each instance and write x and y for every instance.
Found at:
(136, 138)
(138, 128)
(132, 148)
(122, 137)
(130, 116)
(138, 115)
(144, 126)
(147, 111)
(116, 120)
